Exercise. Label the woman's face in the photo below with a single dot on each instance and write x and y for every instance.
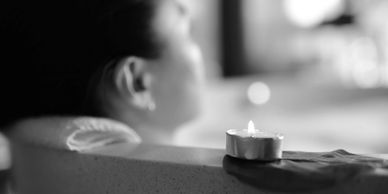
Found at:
(177, 73)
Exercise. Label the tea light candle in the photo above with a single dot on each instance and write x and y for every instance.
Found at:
(253, 144)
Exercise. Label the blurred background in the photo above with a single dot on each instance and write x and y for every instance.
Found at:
(316, 71)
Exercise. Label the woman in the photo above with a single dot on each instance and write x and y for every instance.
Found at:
(129, 60)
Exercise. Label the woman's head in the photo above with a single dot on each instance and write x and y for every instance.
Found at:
(161, 90)
(132, 60)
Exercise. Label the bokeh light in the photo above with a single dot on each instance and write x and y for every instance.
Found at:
(308, 13)
(258, 93)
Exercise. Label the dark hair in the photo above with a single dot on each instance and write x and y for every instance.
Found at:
(53, 49)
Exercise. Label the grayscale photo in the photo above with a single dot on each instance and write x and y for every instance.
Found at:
(193, 96)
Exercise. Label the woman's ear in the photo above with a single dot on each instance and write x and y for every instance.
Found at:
(133, 82)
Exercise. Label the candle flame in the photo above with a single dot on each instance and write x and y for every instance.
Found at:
(251, 127)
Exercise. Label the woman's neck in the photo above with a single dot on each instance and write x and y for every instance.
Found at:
(144, 127)
(149, 133)
(155, 136)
